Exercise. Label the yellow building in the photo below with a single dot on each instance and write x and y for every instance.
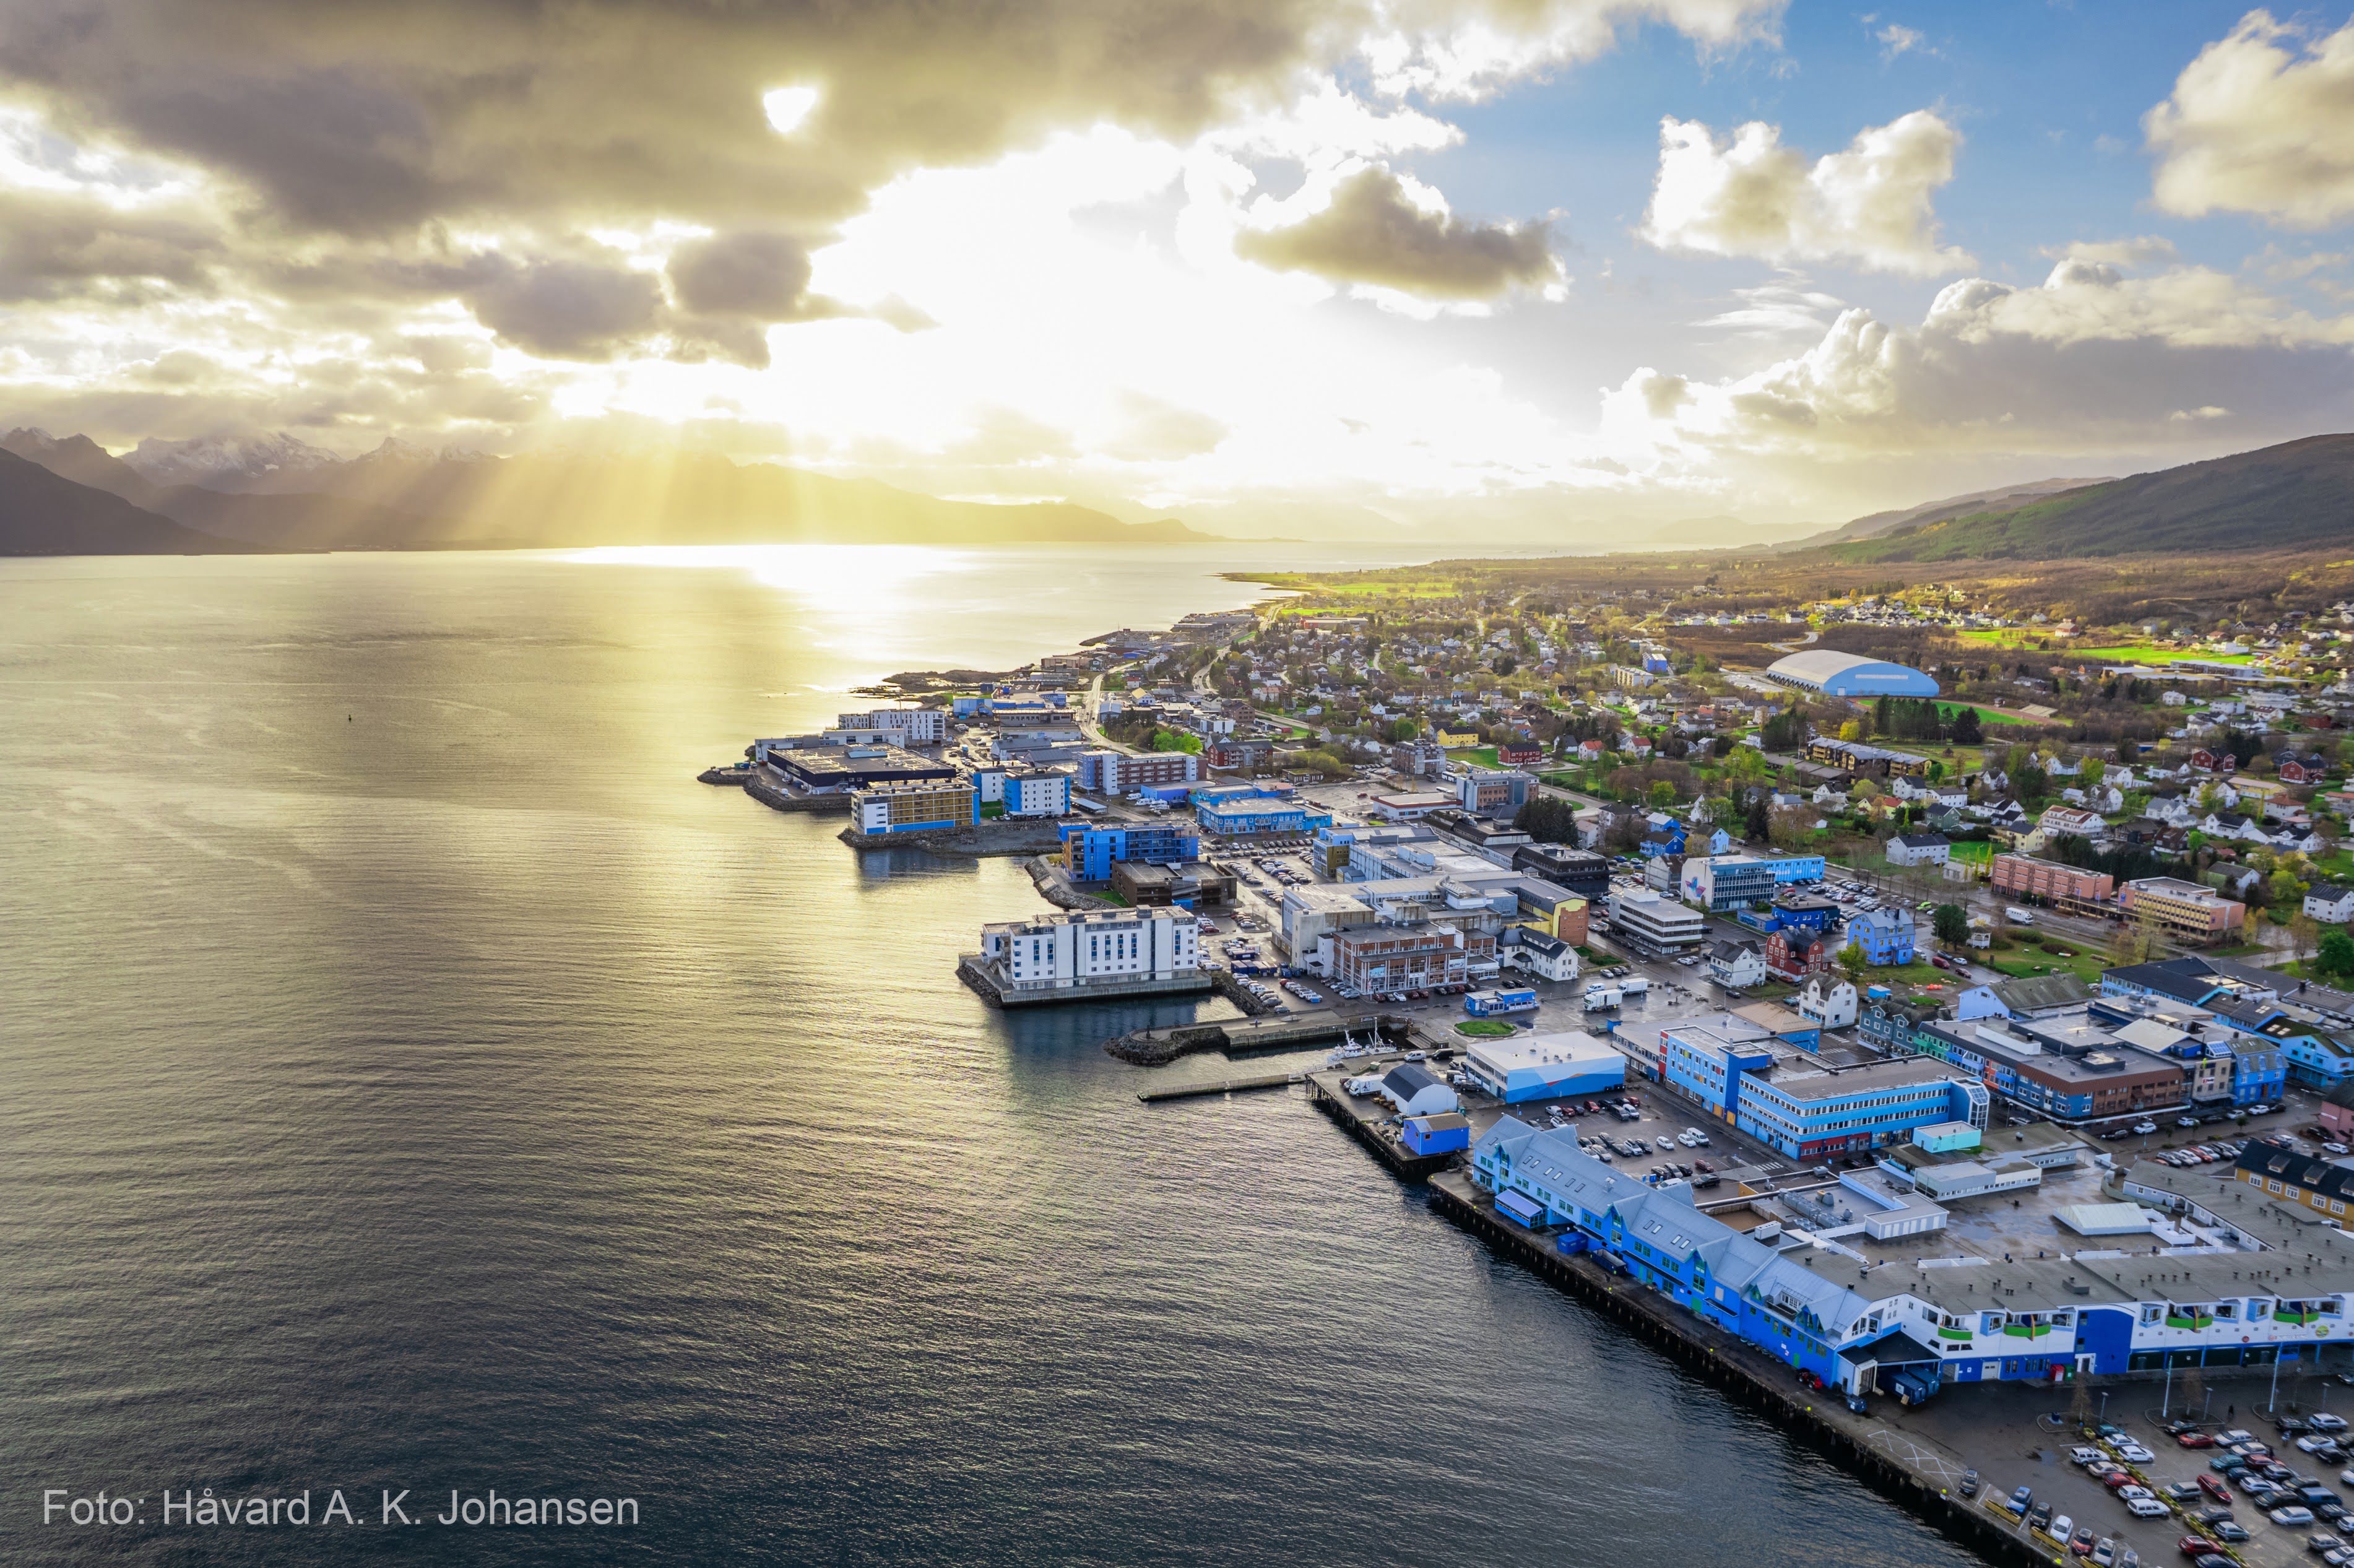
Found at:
(1455, 740)
(905, 808)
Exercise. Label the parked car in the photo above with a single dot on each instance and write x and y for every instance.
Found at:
(1970, 1487)
(2145, 1508)
(2135, 1454)
(2195, 1440)
(2294, 1513)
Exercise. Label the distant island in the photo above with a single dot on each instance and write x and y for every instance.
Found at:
(68, 495)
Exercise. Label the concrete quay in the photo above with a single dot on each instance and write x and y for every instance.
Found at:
(982, 841)
(1276, 1031)
(975, 974)
(1920, 1471)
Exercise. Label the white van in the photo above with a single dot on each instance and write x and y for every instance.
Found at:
(2018, 916)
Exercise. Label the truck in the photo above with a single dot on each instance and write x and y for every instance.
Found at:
(1600, 998)
(2017, 915)
(1636, 985)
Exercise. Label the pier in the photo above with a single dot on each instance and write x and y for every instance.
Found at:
(975, 973)
(1222, 1086)
(1275, 1031)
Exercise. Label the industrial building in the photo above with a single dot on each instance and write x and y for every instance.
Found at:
(839, 769)
(1836, 675)
(1233, 814)
(1542, 1066)
(1412, 1089)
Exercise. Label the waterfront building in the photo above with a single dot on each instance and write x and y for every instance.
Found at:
(1836, 675)
(1719, 883)
(1544, 1066)
(2066, 887)
(1447, 1133)
(1412, 1089)
(1091, 949)
(1197, 884)
(913, 727)
(2184, 910)
(1654, 924)
(1038, 793)
(841, 769)
(1089, 852)
(1802, 1106)
(913, 808)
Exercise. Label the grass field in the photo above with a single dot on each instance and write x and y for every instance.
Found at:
(1485, 1028)
(1485, 755)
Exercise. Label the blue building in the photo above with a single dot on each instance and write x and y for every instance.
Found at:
(1252, 816)
(2250, 1002)
(1885, 934)
(1837, 675)
(1500, 1001)
(1089, 852)
(1441, 1134)
(1790, 868)
(1805, 1107)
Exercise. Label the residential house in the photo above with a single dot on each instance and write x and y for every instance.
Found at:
(1919, 849)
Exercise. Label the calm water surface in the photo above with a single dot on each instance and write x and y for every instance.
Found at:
(409, 1078)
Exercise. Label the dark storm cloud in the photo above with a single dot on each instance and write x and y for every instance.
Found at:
(367, 115)
(566, 310)
(56, 246)
(1371, 233)
(752, 274)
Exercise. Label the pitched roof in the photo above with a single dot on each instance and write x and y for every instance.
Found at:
(2043, 993)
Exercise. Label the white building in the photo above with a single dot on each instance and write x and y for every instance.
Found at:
(1045, 792)
(1919, 849)
(1828, 1003)
(2328, 903)
(1737, 965)
(1652, 920)
(906, 727)
(1542, 955)
(1093, 947)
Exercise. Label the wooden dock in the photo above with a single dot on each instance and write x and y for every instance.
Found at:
(1222, 1086)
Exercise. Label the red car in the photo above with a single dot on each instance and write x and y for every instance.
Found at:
(2195, 1545)
(2195, 1440)
(2212, 1485)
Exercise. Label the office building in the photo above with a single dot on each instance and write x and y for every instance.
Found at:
(1719, 883)
(1543, 1066)
(1492, 792)
(2067, 887)
(2185, 911)
(1418, 954)
(1653, 924)
(912, 726)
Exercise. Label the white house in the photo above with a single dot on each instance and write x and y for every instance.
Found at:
(2328, 903)
(1737, 965)
(1919, 849)
(1543, 955)
(1829, 1002)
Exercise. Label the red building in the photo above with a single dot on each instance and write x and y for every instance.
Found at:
(1528, 754)
(1794, 953)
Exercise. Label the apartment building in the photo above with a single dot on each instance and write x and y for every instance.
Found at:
(1038, 793)
(909, 727)
(1093, 947)
(912, 808)
(2184, 910)
(1418, 955)
(2065, 886)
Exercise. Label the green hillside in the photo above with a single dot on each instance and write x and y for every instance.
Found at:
(2296, 496)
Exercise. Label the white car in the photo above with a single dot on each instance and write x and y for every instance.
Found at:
(2324, 1422)
(2127, 1494)
(2085, 1456)
(2135, 1454)
(2295, 1514)
(2145, 1508)
(2316, 1444)
(2062, 1528)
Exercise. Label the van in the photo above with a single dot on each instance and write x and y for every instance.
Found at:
(2017, 915)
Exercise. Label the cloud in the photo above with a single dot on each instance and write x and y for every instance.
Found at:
(746, 274)
(1869, 205)
(1376, 231)
(566, 309)
(57, 246)
(1152, 430)
(2260, 122)
(395, 112)
(1896, 38)
(2090, 359)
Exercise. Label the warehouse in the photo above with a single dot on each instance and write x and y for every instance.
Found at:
(1538, 1066)
(1837, 675)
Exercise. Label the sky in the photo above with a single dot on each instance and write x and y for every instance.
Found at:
(1571, 271)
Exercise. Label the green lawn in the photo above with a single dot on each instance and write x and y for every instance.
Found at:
(1485, 755)
(1485, 1028)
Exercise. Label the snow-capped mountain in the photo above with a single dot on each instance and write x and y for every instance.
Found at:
(220, 463)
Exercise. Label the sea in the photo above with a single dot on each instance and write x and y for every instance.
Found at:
(412, 1081)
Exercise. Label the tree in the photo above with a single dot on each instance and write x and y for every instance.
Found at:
(2304, 933)
(1789, 827)
(1663, 794)
(1853, 961)
(2334, 955)
(1850, 731)
(1951, 923)
(2095, 771)
(1402, 729)
(1865, 789)
(1965, 731)
(2286, 891)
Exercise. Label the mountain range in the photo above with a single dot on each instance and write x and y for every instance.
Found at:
(2299, 494)
(281, 493)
